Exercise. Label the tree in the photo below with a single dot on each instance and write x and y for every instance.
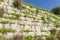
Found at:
(56, 10)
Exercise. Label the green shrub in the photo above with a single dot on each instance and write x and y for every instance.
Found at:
(2, 37)
(4, 30)
(56, 10)
(37, 37)
(51, 37)
(29, 37)
(4, 21)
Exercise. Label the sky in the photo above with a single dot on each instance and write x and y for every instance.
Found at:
(46, 4)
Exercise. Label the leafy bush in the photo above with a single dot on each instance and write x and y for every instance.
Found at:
(4, 30)
(37, 37)
(2, 37)
(29, 37)
(56, 10)
(51, 37)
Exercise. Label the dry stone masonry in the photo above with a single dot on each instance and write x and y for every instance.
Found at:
(25, 21)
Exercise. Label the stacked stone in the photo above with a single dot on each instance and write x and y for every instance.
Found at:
(27, 21)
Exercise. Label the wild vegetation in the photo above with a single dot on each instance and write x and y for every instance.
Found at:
(56, 10)
(17, 3)
(27, 22)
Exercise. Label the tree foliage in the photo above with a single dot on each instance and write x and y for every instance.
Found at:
(56, 10)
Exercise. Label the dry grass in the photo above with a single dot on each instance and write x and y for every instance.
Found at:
(18, 37)
(1, 12)
(17, 3)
